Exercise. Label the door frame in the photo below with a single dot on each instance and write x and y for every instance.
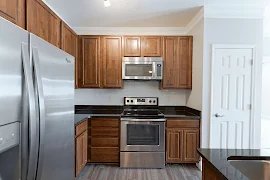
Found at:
(253, 77)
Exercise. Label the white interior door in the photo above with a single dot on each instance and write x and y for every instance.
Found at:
(231, 98)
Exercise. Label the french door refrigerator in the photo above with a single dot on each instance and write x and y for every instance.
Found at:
(36, 108)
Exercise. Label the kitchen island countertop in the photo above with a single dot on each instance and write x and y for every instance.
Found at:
(219, 159)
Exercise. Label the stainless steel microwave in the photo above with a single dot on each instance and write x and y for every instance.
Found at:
(142, 68)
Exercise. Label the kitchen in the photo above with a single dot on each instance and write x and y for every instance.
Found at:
(145, 104)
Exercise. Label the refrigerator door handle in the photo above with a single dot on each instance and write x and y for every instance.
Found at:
(41, 105)
(31, 155)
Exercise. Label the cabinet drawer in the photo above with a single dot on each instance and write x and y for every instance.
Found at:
(105, 132)
(182, 123)
(105, 122)
(105, 142)
(81, 128)
(104, 154)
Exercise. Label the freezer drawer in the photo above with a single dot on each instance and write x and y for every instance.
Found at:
(9, 136)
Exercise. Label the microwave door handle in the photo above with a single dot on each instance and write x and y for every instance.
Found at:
(154, 70)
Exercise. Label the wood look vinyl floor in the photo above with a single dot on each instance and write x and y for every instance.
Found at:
(113, 172)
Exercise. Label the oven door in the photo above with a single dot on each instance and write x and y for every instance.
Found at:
(143, 136)
(138, 70)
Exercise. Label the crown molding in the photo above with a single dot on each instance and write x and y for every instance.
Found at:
(130, 30)
(229, 11)
(195, 21)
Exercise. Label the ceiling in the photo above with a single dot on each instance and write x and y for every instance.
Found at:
(134, 13)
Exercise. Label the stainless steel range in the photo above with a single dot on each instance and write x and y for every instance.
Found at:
(142, 142)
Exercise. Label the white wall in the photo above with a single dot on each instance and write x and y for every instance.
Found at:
(194, 97)
(230, 31)
(131, 88)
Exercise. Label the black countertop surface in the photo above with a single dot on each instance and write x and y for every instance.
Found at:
(87, 111)
(218, 158)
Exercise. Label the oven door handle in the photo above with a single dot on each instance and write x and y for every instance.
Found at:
(143, 120)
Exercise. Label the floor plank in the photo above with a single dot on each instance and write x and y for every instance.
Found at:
(113, 172)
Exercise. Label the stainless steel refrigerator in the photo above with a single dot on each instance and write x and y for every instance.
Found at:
(36, 108)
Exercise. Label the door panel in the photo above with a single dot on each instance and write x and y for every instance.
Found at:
(69, 43)
(174, 145)
(131, 46)
(191, 144)
(79, 154)
(42, 22)
(57, 130)
(170, 79)
(84, 148)
(151, 46)
(112, 62)
(14, 11)
(184, 67)
(232, 73)
(91, 62)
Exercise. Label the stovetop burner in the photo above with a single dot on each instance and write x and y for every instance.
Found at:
(146, 108)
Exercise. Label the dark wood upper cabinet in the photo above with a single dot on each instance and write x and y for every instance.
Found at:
(151, 46)
(177, 55)
(185, 62)
(91, 64)
(131, 46)
(170, 80)
(69, 43)
(43, 22)
(111, 62)
(14, 11)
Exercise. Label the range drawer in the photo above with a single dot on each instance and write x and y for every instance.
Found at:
(81, 128)
(104, 155)
(182, 123)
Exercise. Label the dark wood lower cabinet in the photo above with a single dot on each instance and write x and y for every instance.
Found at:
(209, 173)
(80, 147)
(105, 140)
(182, 141)
(104, 155)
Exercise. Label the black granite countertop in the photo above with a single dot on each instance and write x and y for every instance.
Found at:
(218, 158)
(169, 111)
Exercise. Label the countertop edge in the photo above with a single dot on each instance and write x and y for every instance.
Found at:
(211, 164)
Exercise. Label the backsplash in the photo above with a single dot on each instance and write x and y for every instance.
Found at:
(131, 88)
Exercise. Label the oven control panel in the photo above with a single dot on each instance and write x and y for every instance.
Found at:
(133, 101)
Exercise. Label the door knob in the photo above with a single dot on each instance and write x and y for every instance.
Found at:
(218, 115)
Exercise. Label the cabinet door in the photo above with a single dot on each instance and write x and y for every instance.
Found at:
(151, 46)
(69, 43)
(112, 62)
(14, 11)
(170, 77)
(79, 154)
(191, 144)
(209, 173)
(132, 46)
(91, 62)
(185, 62)
(174, 145)
(84, 145)
(42, 22)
